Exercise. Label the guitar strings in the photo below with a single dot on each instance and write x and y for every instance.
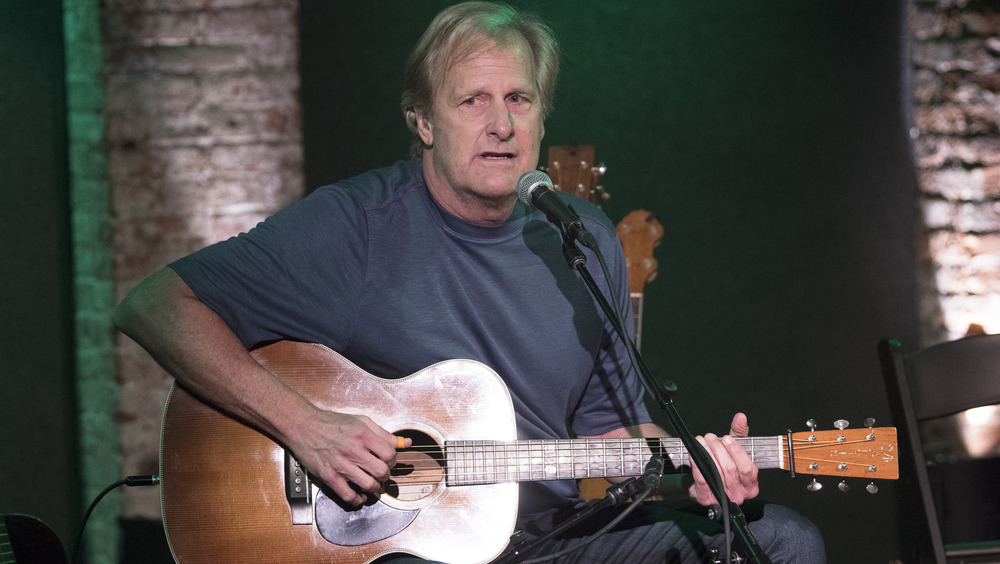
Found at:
(802, 445)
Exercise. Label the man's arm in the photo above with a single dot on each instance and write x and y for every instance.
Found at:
(196, 346)
(738, 472)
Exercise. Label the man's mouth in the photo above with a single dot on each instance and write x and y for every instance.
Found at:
(497, 156)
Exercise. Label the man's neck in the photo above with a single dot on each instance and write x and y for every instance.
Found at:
(466, 205)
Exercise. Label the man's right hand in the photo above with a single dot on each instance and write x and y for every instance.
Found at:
(349, 453)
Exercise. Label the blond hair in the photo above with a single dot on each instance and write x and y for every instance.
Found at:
(463, 29)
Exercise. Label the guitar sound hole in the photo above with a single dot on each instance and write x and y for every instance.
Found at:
(419, 469)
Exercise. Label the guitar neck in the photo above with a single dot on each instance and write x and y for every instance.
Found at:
(854, 453)
(490, 462)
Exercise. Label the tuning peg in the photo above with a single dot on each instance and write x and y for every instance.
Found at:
(814, 486)
(870, 422)
(811, 424)
(841, 424)
(843, 486)
(872, 488)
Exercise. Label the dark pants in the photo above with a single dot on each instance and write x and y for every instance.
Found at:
(659, 533)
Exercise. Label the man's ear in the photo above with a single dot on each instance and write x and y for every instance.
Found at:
(424, 128)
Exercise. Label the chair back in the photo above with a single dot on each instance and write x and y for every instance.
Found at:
(955, 376)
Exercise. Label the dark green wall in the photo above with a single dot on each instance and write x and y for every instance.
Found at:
(771, 141)
(38, 467)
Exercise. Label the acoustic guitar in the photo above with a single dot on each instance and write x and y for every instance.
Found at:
(231, 494)
(572, 169)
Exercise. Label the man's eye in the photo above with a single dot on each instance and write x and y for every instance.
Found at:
(470, 102)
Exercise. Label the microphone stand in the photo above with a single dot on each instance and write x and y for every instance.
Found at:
(732, 515)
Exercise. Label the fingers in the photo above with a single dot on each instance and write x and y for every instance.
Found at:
(699, 490)
(738, 472)
(351, 455)
(739, 427)
(381, 443)
(371, 464)
(344, 491)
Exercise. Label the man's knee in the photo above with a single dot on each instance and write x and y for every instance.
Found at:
(786, 536)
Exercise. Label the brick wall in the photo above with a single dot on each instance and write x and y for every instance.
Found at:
(956, 54)
(203, 139)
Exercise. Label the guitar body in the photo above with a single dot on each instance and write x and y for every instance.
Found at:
(223, 484)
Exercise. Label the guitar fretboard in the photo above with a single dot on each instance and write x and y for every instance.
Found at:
(491, 462)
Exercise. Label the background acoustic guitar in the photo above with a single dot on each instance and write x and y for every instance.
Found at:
(572, 169)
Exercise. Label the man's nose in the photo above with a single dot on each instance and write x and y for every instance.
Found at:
(502, 123)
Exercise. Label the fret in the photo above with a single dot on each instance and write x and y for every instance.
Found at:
(450, 464)
(532, 460)
(524, 461)
(506, 463)
(491, 461)
(480, 467)
(480, 463)
(548, 466)
(621, 458)
(590, 461)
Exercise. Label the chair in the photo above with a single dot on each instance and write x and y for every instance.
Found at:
(926, 389)
(27, 540)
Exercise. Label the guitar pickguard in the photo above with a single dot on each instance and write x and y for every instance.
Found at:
(364, 525)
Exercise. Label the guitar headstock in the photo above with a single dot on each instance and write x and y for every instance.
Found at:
(572, 169)
(640, 232)
(846, 453)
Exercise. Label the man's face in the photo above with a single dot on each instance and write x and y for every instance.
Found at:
(484, 132)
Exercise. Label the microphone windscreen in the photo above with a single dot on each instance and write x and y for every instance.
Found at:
(527, 183)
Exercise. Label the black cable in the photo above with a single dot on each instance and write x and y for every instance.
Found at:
(614, 522)
(128, 481)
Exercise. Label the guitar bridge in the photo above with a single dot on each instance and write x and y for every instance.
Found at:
(298, 491)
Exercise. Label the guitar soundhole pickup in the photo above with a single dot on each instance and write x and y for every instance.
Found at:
(419, 468)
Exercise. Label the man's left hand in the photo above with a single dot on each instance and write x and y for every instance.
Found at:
(738, 472)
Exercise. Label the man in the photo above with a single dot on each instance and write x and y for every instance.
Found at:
(426, 260)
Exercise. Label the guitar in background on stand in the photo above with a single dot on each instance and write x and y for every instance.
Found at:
(572, 169)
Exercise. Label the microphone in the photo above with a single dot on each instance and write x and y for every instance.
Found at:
(534, 188)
